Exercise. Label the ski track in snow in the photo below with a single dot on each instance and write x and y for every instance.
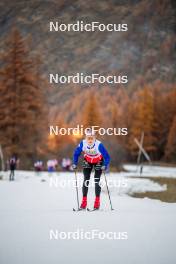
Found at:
(30, 207)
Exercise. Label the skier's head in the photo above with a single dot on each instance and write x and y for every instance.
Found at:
(90, 136)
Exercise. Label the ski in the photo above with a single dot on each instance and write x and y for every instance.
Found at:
(79, 209)
(92, 210)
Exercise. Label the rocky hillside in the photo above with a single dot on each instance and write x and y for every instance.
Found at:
(146, 52)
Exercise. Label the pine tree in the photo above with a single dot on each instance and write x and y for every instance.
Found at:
(22, 99)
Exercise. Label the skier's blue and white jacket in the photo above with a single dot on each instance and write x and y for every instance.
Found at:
(93, 154)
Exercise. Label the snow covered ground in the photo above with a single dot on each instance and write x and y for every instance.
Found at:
(33, 208)
(150, 171)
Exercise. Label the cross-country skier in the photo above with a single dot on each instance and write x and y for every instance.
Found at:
(95, 156)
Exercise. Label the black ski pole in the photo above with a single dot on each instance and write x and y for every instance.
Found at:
(77, 190)
(108, 191)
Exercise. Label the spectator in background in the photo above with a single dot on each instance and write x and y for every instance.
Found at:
(66, 164)
(38, 165)
(63, 164)
(13, 165)
(51, 165)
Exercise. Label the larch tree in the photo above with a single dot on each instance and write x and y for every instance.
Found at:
(170, 152)
(115, 114)
(143, 121)
(91, 112)
(165, 110)
(22, 107)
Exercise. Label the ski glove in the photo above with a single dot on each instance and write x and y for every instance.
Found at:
(86, 165)
(98, 166)
(74, 166)
(103, 168)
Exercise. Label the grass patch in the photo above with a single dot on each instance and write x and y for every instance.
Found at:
(169, 195)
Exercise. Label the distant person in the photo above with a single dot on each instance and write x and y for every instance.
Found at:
(51, 165)
(38, 165)
(66, 164)
(55, 163)
(63, 163)
(12, 165)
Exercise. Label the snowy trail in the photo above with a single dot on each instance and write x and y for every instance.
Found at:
(30, 208)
